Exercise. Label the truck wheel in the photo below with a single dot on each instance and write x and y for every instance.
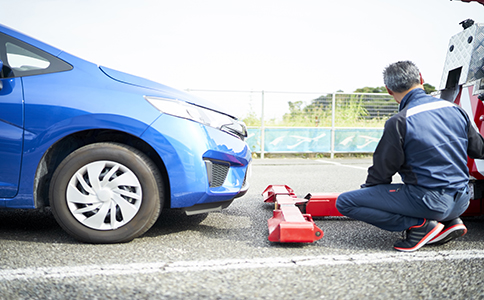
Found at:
(106, 193)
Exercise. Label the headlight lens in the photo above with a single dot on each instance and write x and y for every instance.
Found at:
(199, 114)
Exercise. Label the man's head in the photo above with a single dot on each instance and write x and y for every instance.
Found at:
(401, 77)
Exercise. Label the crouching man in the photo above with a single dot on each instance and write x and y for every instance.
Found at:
(427, 142)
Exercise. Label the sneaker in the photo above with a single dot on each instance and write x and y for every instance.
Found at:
(453, 229)
(419, 235)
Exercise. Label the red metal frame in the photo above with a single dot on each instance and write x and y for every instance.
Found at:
(322, 205)
(288, 224)
(475, 208)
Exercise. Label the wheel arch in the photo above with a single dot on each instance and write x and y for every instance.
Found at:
(62, 148)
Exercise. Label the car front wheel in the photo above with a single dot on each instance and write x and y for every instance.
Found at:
(106, 193)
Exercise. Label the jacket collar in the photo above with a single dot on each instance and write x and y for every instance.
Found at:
(415, 93)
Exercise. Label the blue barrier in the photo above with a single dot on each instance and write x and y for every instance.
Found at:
(314, 139)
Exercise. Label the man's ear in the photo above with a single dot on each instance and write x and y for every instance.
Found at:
(421, 79)
(389, 91)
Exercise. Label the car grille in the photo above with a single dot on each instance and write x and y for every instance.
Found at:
(217, 172)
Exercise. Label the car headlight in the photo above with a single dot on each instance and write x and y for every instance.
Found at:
(199, 114)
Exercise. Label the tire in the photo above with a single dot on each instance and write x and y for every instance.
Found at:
(98, 179)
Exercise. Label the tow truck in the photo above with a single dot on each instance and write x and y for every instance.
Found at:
(462, 83)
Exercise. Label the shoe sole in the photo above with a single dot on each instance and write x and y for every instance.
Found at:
(433, 233)
(449, 234)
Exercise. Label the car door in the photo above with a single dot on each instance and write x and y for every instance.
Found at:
(19, 59)
(11, 129)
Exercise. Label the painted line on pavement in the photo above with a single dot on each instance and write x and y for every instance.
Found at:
(341, 165)
(235, 264)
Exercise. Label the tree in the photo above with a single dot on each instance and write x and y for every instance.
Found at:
(429, 88)
(368, 89)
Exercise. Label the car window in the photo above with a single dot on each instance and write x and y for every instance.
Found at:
(22, 59)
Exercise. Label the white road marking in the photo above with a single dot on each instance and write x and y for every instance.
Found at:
(236, 264)
(341, 165)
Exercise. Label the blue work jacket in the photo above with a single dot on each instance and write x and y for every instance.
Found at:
(427, 142)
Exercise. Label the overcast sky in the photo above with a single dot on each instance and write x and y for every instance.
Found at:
(280, 45)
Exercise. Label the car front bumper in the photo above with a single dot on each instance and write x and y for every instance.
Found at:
(203, 164)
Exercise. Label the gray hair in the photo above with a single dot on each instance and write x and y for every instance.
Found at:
(401, 76)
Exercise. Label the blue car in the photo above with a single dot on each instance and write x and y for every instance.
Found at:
(105, 150)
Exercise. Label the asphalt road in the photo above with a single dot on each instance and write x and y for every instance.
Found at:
(226, 255)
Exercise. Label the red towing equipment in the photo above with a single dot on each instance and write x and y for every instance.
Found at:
(292, 220)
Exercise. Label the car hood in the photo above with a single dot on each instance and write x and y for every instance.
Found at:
(165, 90)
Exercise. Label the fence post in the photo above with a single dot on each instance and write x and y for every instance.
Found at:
(262, 129)
(333, 114)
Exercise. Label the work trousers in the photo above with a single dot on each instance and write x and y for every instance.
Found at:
(397, 207)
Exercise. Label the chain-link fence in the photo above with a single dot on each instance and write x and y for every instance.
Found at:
(304, 122)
